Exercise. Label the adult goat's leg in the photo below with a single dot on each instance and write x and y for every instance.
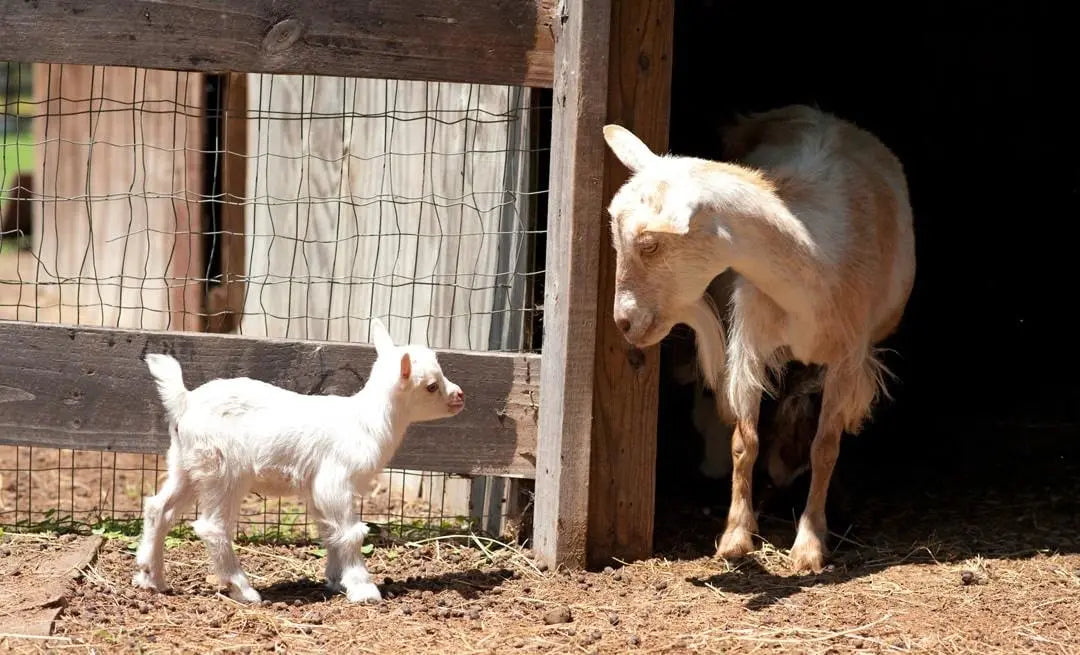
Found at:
(738, 537)
(845, 398)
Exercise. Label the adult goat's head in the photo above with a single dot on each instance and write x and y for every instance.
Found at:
(664, 259)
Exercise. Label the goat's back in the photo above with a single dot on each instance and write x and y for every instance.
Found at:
(850, 191)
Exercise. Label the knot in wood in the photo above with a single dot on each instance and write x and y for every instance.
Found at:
(283, 35)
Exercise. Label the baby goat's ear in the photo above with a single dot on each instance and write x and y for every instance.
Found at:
(380, 337)
(630, 150)
(406, 367)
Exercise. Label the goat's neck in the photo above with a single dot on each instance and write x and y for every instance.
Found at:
(763, 241)
(385, 417)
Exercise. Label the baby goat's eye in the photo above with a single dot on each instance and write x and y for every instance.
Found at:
(433, 387)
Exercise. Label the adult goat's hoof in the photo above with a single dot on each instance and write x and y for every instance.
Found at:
(807, 556)
(735, 544)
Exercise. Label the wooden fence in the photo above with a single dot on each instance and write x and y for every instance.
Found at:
(583, 423)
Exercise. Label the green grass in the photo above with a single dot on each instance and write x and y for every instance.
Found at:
(16, 154)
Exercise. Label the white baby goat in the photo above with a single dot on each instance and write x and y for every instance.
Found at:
(230, 436)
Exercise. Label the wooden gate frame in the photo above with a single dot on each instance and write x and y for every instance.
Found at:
(607, 61)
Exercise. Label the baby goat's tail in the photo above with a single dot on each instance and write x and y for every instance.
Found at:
(170, 383)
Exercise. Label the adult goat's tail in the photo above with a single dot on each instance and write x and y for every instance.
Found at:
(170, 383)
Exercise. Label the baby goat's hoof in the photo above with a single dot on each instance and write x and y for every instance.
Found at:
(143, 580)
(364, 593)
(248, 595)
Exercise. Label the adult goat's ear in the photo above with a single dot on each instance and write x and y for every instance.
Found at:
(381, 337)
(630, 150)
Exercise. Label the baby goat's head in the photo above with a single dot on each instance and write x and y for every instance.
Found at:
(420, 383)
(662, 264)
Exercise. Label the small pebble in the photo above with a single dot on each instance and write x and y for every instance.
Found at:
(581, 579)
(443, 612)
(596, 635)
(617, 576)
(474, 614)
(407, 611)
(297, 602)
(634, 640)
(660, 586)
(967, 577)
(613, 619)
(608, 570)
(558, 615)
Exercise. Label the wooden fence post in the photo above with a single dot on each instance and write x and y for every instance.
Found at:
(575, 202)
(622, 482)
(596, 466)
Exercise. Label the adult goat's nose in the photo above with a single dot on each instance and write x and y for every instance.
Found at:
(623, 324)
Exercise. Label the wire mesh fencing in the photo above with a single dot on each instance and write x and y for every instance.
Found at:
(268, 206)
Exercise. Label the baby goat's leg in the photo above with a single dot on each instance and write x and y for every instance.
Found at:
(344, 535)
(738, 537)
(333, 562)
(220, 499)
(159, 513)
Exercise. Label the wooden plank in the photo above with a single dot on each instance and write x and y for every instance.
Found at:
(506, 42)
(622, 486)
(570, 284)
(88, 388)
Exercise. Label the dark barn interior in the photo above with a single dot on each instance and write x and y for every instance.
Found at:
(982, 432)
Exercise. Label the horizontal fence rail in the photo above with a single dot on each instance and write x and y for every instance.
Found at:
(508, 42)
(88, 388)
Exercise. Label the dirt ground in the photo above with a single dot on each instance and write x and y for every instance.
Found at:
(989, 573)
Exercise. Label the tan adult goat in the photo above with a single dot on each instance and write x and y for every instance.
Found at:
(816, 222)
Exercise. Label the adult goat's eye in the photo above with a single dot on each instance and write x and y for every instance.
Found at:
(433, 387)
(649, 247)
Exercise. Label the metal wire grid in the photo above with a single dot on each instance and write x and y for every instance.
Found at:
(414, 202)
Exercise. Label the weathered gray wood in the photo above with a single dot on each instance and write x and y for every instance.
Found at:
(570, 285)
(88, 388)
(508, 42)
(622, 485)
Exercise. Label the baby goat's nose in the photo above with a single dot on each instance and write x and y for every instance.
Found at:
(458, 396)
